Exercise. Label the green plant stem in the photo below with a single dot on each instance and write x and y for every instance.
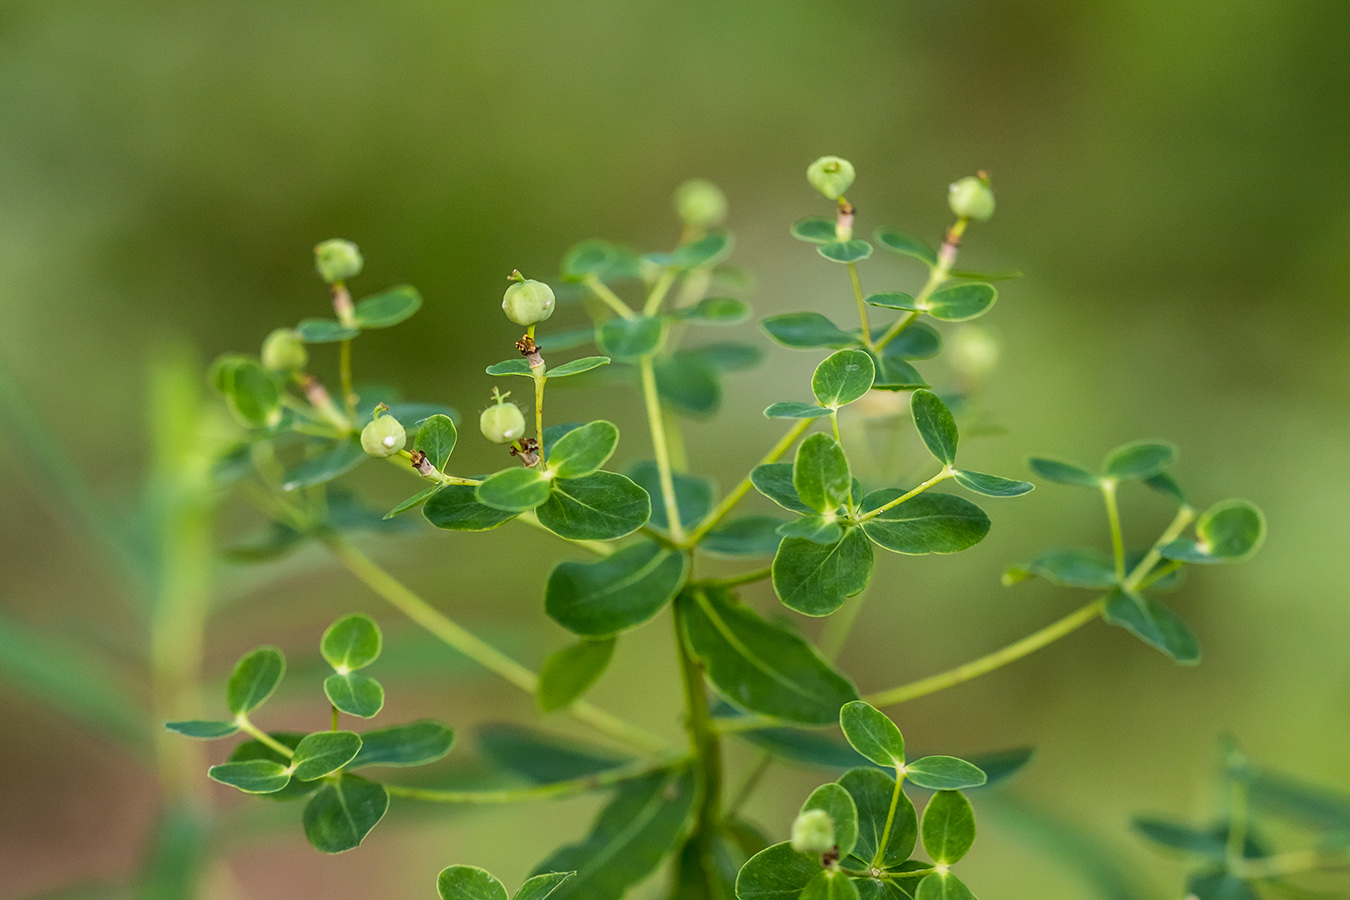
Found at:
(1140, 576)
(659, 291)
(599, 548)
(1293, 863)
(985, 664)
(401, 462)
(472, 646)
(538, 375)
(730, 500)
(706, 749)
(885, 838)
(261, 736)
(1113, 517)
(609, 298)
(1236, 845)
(583, 785)
(936, 479)
(937, 276)
(345, 370)
(862, 306)
(656, 422)
(737, 580)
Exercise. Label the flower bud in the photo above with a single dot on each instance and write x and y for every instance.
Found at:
(830, 175)
(700, 203)
(528, 302)
(972, 198)
(813, 832)
(502, 422)
(383, 436)
(283, 351)
(337, 260)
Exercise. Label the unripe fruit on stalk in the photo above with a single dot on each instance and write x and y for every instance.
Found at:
(700, 203)
(813, 832)
(502, 422)
(528, 302)
(383, 436)
(283, 351)
(830, 175)
(972, 198)
(337, 260)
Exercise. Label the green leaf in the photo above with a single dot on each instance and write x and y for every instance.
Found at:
(413, 744)
(414, 501)
(693, 495)
(602, 506)
(816, 529)
(469, 883)
(388, 308)
(567, 674)
(1220, 886)
(872, 791)
(323, 753)
(436, 437)
(1090, 569)
(807, 331)
(1208, 844)
(747, 536)
(603, 598)
(256, 750)
(714, 311)
(202, 729)
(843, 377)
(774, 480)
(944, 773)
(1001, 765)
(820, 474)
(894, 374)
(630, 837)
(1138, 459)
(254, 679)
(599, 259)
(815, 579)
(1063, 472)
(899, 242)
(583, 450)
(455, 507)
(1154, 624)
(839, 806)
(776, 873)
(759, 665)
(919, 340)
(706, 251)
(354, 693)
(515, 366)
(577, 366)
(872, 733)
(894, 300)
(830, 885)
(688, 384)
(340, 459)
(814, 230)
(948, 827)
(925, 523)
(962, 302)
(999, 275)
(630, 339)
(251, 392)
(324, 331)
(942, 886)
(845, 251)
(543, 758)
(256, 776)
(541, 886)
(936, 425)
(514, 490)
(1166, 484)
(1230, 531)
(341, 814)
(352, 642)
(795, 409)
(802, 747)
(992, 485)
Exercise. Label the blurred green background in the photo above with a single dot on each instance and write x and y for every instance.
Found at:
(1172, 177)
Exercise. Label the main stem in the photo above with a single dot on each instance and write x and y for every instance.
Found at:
(657, 423)
(707, 752)
(862, 306)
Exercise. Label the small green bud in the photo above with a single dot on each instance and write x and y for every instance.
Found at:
(700, 203)
(337, 260)
(830, 175)
(813, 832)
(502, 422)
(283, 351)
(383, 436)
(527, 302)
(972, 198)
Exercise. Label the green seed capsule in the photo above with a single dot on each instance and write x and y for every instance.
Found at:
(383, 436)
(813, 832)
(502, 423)
(972, 198)
(830, 175)
(700, 203)
(283, 351)
(337, 260)
(528, 302)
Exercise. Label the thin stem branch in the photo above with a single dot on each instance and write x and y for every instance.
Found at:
(937, 276)
(737, 580)
(730, 500)
(862, 306)
(261, 736)
(584, 785)
(345, 370)
(885, 839)
(706, 747)
(1140, 577)
(936, 479)
(610, 299)
(659, 291)
(1113, 516)
(1292, 863)
(657, 424)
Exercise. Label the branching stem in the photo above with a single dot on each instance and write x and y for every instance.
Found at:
(862, 306)
(572, 787)
(730, 500)
(609, 298)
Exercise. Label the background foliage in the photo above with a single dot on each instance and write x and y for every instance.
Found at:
(1170, 176)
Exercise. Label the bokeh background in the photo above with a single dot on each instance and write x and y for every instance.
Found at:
(1172, 177)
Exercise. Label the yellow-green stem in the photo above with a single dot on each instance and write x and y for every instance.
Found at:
(656, 422)
(1113, 516)
(729, 502)
(609, 298)
(937, 276)
(261, 736)
(658, 294)
(553, 790)
(936, 479)
(862, 306)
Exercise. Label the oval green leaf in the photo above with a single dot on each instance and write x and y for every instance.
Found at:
(343, 812)
(820, 474)
(815, 579)
(747, 536)
(944, 773)
(515, 366)
(514, 490)
(936, 425)
(925, 523)
(1230, 531)
(630, 339)
(894, 374)
(324, 331)
(814, 230)
(693, 495)
(603, 598)
(845, 251)
(893, 300)
(1083, 568)
(942, 886)
(340, 459)
(774, 480)
(1154, 624)
(456, 508)
(583, 450)
(436, 437)
(830, 884)
(469, 883)
(807, 331)
(776, 873)
(795, 409)
(250, 391)
(839, 805)
(254, 679)
(414, 501)
(714, 311)
(844, 376)
(354, 693)
(898, 242)
(602, 506)
(1138, 459)
(577, 366)
(962, 302)
(254, 776)
(688, 384)
(873, 791)
(323, 753)
(872, 733)
(352, 642)
(413, 744)
(570, 672)
(202, 729)
(541, 886)
(816, 529)
(388, 307)
(948, 827)
(1062, 472)
(992, 485)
